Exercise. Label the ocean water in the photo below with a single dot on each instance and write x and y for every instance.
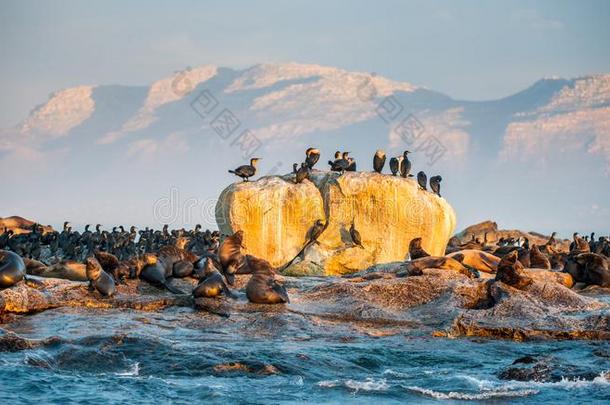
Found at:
(180, 355)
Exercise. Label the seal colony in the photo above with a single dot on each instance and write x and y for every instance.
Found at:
(217, 263)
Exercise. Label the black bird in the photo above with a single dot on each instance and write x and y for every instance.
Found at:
(394, 165)
(435, 184)
(246, 171)
(379, 161)
(316, 230)
(422, 179)
(312, 157)
(355, 236)
(302, 173)
(340, 165)
(405, 165)
(352, 165)
(295, 168)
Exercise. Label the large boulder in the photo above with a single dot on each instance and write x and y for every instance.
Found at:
(388, 212)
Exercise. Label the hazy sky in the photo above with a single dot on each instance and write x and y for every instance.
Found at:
(466, 49)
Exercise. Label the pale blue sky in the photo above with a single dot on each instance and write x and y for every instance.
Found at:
(466, 49)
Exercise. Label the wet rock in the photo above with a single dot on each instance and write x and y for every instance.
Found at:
(11, 342)
(544, 369)
(544, 310)
(53, 293)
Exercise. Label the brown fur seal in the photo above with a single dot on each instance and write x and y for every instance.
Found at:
(589, 268)
(579, 245)
(110, 263)
(98, 279)
(415, 267)
(538, 260)
(230, 255)
(67, 270)
(478, 260)
(156, 273)
(212, 283)
(415, 249)
(178, 261)
(263, 287)
(12, 269)
(510, 271)
(34, 267)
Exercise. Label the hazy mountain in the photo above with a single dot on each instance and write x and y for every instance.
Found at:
(538, 159)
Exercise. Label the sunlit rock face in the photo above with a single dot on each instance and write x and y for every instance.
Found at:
(388, 212)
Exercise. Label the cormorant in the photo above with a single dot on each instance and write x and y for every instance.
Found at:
(379, 161)
(246, 171)
(435, 184)
(422, 179)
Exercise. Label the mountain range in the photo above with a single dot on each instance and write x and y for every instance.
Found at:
(113, 154)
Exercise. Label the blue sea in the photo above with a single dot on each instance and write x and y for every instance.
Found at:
(180, 355)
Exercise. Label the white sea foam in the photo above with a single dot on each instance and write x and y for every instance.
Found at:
(369, 384)
(133, 371)
(502, 393)
(564, 383)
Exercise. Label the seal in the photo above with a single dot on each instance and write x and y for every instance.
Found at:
(538, 260)
(12, 269)
(98, 279)
(479, 260)
(415, 267)
(230, 255)
(67, 270)
(415, 249)
(263, 287)
(154, 272)
(212, 283)
(379, 161)
(110, 263)
(589, 268)
(510, 271)
(246, 171)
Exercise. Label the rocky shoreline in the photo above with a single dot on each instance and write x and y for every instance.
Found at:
(439, 302)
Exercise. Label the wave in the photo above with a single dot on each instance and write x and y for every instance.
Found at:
(566, 383)
(369, 384)
(504, 393)
(133, 371)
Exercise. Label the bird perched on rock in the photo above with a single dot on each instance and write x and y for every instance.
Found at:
(351, 167)
(341, 164)
(435, 184)
(302, 173)
(422, 179)
(379, 161)
(312, 155)
(405, 165)
(355, 235)
(246, 171)
(394, 165)
(316, 230)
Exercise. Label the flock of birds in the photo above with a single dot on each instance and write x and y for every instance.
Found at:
(73, 245)
(400, 165)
